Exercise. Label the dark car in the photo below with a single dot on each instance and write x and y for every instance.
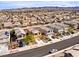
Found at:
(68, 55)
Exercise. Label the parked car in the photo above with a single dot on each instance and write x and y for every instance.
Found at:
(68, 55)
(52, 50)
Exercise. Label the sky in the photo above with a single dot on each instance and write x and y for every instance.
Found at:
(21, 4)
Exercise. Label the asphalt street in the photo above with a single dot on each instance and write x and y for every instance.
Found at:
(44, 50)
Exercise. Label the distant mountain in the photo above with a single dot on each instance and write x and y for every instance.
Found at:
(43, 8)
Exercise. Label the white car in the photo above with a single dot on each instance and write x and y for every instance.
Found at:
(52, 50)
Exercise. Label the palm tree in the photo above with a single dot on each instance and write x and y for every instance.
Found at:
(13, 35)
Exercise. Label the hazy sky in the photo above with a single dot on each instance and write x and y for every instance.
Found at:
(20, 4)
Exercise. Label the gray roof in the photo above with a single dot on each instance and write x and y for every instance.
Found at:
(70, 22)
(41, 30)
(19, 31)
(61, 25)
(75, 21)
(45, 28)
(50, 27)
(55, 26)
(33, 30)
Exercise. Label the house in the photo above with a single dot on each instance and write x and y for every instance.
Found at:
(20, 32)
(17, 24)
(26, 31)
(46, 30)
(41, 30)
(50, 28)
(15, 19)
(76, 21)
(33, 20)
(62, 25)
(58, 27)
(24, 24)
(71, 23)
(35, 32)
(8, 25)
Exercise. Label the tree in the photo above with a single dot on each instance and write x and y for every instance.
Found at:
(21, 21)
(71, 28)
(2, 25)
(29, 38)
(44, 38)
(71, 25)
(13, 35)
(63, 33)
(58, 34)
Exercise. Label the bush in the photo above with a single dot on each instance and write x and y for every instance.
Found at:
(71, 30)
(29, 38)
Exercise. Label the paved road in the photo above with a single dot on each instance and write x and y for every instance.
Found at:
(42, 51)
